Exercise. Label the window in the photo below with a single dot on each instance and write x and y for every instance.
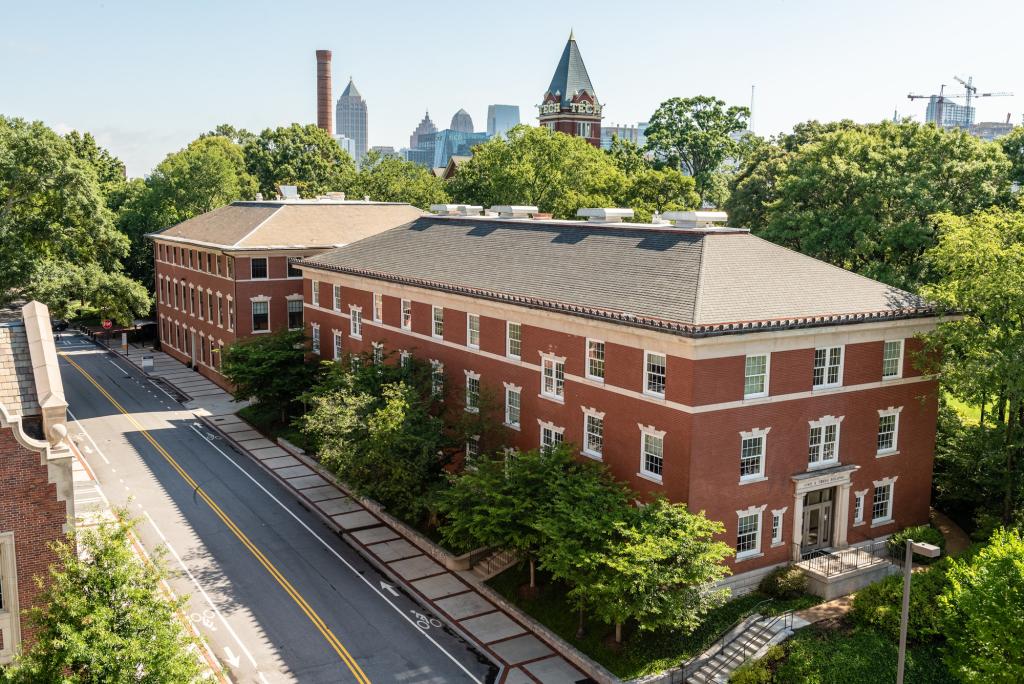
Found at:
(231, 314)
(337, 346)
(823, 444)
(892, 359)
(755, 376)
(473, 331)
(752, 454)
(260, 316)
(472, 392)
(231, 266)
(437, 379)
(190, 254)
(550, 436)
(220, 310)
(595, 360)
(652, 453)
(438, 318)
(858, 507)
(472, 447)
(174, 289)
(314, 292)
(828, 363)
(378, 307)
(888, 428)
(552, 377)
(160, 290)
(748, 533)
(404, 358)
(593, 433)
(355, 328)
(584, 128)
(216, 263)
(777, 518)
(654, 374)
(316, 338)
(293, 272)
(513, 340)
(881, 504)
(192, 300)
(209, 263)
(336, 297)
(258, 267)
(378, 353)
(406, 314)
(512, 405)
(294, 314)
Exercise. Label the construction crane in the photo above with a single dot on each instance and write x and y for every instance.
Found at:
(970, 93)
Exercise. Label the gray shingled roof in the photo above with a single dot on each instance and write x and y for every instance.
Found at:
(351, 90)
(692, 282)
(570, 74)
(17, 381)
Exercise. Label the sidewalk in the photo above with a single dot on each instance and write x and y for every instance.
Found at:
(200, 394)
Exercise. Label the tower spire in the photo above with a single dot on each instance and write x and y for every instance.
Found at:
(572, 35)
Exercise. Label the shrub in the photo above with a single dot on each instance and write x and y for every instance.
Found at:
(758, 671)
(785, 582)
(897, 543)
(879, 605)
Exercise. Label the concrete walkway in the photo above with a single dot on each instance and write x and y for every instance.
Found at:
(201, 395)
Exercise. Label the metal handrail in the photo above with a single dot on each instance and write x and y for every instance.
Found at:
(829, 563)
(787, 622)
(731, 627)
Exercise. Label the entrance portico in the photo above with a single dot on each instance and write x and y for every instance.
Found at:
(821, 510)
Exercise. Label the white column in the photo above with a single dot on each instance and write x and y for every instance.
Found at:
(798, 524)
(842, 515)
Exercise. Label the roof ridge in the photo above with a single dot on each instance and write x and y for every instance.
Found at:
(259, 225)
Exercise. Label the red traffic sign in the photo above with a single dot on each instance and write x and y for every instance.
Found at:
(107, 323)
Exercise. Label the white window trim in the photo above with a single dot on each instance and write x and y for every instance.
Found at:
(508, 339)
(336, 298)
(555, 360)
(859, 496)
(402, 323)
(469, 317)
(315, 338)
(654, 432)
(891, 481)
(472, 375)
(648, 392)
(899, 361)
(378, 311)
(433, 322)
(752, 434)
(781, 514)
(266, 261)
(842, 367)
(314, 292)
(548, 425)
(588, 412)
(586, 360)
(822, 422)
(895, 449)
(756, 551)
(290, 298)
(404, 356)
(352, 308)
(513, 389)
(336, 342)
(767, 375)
(252, 323)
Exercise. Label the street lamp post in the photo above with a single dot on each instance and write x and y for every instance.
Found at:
(921, 549)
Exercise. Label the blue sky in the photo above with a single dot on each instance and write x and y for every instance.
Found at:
(147, 78)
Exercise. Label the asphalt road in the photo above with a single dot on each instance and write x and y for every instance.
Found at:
(277, 594)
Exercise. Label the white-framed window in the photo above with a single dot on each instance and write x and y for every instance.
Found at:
(473, 331)
(378, 353)
(231, 313)
(316, 337)
(892, 359)
(828, 367)
(473, 447)
(755, 376)
(752, 450)
(294, 313)
(881, 501)
(595, 360)
(404, 358)
(406, 314)
(378, 307)
(437, 378)
(220, 310)
(748, 532)
(257, 267)
(778, 520)
(472, 391)
(355, 322)
(437, 314)
(552, 384)
(654, 373)
(584, 129)
(314, 292)
(261, 315)
(337, 345)
(513, 340)
(858, 506)
(8, 587)
(652, 452)
(823, 442)
(513, 405)
(593, 433)
(336, 297)
(888, 429)
(550, 435)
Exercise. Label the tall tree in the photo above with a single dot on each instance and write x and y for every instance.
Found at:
(110, 171)
(304, 156)
(270, 368)
(694, 134)
(660, 190)
(1013, 147)
(389, 179)
(56, 230)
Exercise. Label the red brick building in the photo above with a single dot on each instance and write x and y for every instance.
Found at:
(570, 104)
(771, 390)
(36, 487)
(224, 275)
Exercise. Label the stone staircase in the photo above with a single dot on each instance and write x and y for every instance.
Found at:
(746, 642)
(494, 564)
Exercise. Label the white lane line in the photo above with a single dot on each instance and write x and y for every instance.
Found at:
(150, 380)
(82, 428)
(202, 591)
(338, 556)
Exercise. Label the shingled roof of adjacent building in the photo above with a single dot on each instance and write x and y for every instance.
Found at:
(692, 282)
(289, 224)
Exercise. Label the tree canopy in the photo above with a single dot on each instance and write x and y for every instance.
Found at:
(1013, 147)
(389, 179)
(304, 156)
(270, 368)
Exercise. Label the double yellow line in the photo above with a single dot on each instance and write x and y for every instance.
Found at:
(338, 647)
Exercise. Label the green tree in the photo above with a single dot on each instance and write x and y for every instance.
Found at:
(239, 136)
(555, 172)
(985, 600)
(694, 134)
(662, 190)
(1013, 147)
(628, 156)
(110, 171)
(103, 617)
(269, 368)
(304, 156)
(56, 230)
(389, 179)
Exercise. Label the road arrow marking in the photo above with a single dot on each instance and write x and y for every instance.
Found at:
(232, 659)
(390, 589)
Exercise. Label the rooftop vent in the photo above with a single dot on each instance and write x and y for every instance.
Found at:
(605, 215)
(696, 219)
(513, 211)
(339, 196)
(288, 192)
(259, 196)
(456, 209)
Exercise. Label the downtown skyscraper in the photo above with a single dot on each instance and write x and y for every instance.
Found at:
(351, 118)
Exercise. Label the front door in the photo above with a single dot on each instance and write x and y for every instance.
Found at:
(817, 523)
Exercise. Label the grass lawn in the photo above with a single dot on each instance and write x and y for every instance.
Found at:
(858, 655)
(970, 414)
(640, 654)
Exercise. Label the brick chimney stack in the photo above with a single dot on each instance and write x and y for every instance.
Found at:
(323, 91)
